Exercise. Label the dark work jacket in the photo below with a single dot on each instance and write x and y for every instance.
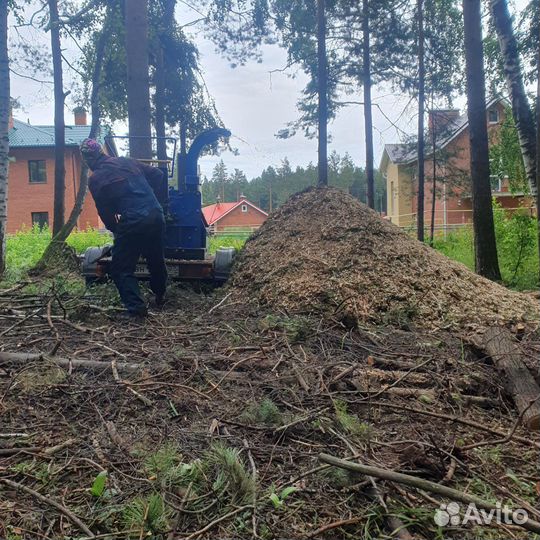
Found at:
(127, 192)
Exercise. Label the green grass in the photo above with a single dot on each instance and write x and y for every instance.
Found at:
(235, 241)
(516, 246)
(25, 248)
(458, 246)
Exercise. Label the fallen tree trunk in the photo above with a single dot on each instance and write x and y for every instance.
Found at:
(426, 485)
(22, 358)
(501, 346)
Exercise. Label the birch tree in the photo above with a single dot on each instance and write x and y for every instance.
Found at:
(538, 145)
(521, 109)
(4, 127)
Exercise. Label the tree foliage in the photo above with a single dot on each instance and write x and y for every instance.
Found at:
(505, 155)
(187, 104)
(283, 181)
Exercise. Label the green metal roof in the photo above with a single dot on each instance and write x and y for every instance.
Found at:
(24, 135)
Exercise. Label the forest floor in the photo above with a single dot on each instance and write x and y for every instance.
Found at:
(208, 419)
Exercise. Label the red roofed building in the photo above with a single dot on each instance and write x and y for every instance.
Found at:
(242, 215)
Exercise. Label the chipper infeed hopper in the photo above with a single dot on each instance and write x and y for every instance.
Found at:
(186, 232)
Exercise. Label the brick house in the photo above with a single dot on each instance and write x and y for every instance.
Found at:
(238, 216)
(31, 174)
(453, 205)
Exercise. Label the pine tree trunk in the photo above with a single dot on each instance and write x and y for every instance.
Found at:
(368, 120)
(138, 91)
(421, 110)
(484, 231)
(59, 122)
(434, 183)
(159, 105)
(159, 95)
(521, 110)
(4, 128)
(322, 84)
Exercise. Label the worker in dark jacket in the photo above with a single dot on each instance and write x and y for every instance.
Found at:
(130, 198)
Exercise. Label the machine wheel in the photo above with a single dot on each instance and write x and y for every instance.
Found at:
(223, 263)
(89, 263)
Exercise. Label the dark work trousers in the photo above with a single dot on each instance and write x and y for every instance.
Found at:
(131, 240)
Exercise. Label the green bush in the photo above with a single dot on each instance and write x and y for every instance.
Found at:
(516, 246)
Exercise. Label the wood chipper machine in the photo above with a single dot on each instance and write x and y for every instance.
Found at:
(186, 229)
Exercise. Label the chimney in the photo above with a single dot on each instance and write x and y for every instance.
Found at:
(242, 197)
(79, 114)
(440, 119)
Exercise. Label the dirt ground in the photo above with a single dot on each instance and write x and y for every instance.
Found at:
(215, 427)
(337, 334)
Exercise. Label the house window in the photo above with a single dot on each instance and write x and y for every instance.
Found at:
(41, 219)
(37, 171)
(493, 116)
(496, 183)
(244, 208)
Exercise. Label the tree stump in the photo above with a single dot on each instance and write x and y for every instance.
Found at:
(501, 345)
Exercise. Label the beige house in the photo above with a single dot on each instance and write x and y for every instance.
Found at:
(450, 169)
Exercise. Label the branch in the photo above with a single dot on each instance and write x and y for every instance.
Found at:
(29, 77)
(420, 483)
(63, 20)
(47, 500)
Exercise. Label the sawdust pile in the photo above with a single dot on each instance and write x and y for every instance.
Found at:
(325, 252)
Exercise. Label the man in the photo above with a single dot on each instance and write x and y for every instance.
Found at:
(130, 198)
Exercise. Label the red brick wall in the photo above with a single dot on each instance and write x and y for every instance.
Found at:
(25, 198)
(236, 218)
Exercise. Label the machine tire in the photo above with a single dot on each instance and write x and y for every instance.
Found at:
(223, 263)
(89, 263)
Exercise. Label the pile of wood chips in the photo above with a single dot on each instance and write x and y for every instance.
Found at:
(326, 252)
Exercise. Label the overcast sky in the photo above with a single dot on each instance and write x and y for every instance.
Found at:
(254, 104)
